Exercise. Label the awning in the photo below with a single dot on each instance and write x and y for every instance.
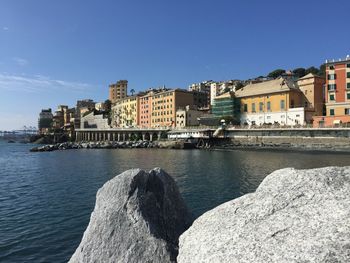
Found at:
(336, 121)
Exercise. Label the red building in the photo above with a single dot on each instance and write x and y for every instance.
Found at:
(337, 94)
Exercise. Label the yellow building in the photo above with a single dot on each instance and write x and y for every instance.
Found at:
(270, 102)
(125, 112)
(165, 104)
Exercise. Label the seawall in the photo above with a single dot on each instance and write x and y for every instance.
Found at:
(337, 139)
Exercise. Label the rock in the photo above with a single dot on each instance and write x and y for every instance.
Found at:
(138, 217)
(294, 216)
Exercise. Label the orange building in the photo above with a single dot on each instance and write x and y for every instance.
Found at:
(337, 94)
(118, 90)
(165, 104)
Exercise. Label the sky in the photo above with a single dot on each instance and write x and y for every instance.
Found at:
(56, 52)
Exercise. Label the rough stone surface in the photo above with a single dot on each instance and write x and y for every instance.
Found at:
(138, 217)
(294, 216)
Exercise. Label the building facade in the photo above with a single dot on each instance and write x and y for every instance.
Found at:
(45, 121)
(312, 87)
(337, 94)
(118, 90)
(94, 120)
(276, 101)
(125, 112)
(188, 116)
(165, 104)
(145, 110)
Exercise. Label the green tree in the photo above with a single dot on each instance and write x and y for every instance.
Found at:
(108, 105)
(239, 85)
(276, 73)
(322, 71)
(299, 72)
(313, 70)
(132, 92)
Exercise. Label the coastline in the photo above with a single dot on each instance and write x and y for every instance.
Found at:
(217, 145)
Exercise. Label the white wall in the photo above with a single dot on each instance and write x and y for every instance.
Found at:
(291, 117)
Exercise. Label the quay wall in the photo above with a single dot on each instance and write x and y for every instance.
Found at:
(331, 139)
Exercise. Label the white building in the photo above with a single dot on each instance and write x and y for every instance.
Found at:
(188, 117)
(94, 121)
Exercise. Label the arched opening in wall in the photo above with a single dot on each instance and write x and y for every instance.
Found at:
(133, 137)
(138, 136)
(154, 136)
(147, 136)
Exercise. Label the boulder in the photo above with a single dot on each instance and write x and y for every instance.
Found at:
(138, 217)
(294, 216)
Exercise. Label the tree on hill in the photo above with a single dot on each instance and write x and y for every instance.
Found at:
(322, 71)
(276, 73)
(312, 70)
(299, 72)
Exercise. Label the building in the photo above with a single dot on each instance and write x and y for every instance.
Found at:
(188, 116)
(94, 120)
(202, 87)
(214, 91)
(223, 105)
(125, 112)
(82, 106)
(58, 118)
(145, 110)
(118, 90)
(312, 87)
(201, 99)
(100, 106)
(165, 104)
(277, 101)
(337, 94)
(45, 121)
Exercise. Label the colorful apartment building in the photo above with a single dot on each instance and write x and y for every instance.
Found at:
(145, 110)
(118, 90)
(270, 102)
(337, 94)
(165, 104)
(125, 112)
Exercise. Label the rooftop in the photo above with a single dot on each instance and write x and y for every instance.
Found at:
(272, 86)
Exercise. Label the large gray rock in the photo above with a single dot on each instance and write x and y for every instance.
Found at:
(138, 217)
(294, 216)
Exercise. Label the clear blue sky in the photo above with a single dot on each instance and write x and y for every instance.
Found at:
(55, 52)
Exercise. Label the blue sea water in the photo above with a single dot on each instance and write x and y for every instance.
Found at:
(46, 198)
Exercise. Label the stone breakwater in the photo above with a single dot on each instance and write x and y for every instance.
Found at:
(138, 217)
(109, 145)
(293, 216)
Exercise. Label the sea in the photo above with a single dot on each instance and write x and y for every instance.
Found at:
(46, 198)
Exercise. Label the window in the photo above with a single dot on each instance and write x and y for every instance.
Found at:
(332, 76)
(348, 95)
(331, 112)
(331, 96)
(245, 107)
(261, 106)
(348, 65)
(348, 75)
(348, 85)
(347, 111)
(332, 86)
(331, 67)
(253, 107)
(269, 106)
(282, 104)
